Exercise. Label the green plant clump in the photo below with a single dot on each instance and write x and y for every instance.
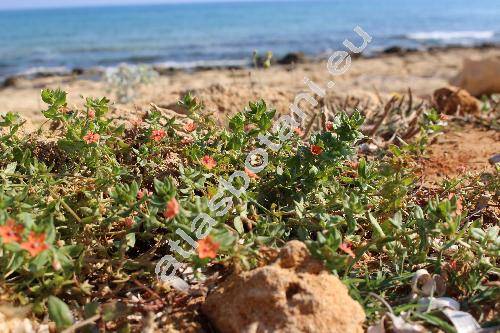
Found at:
(100, 203)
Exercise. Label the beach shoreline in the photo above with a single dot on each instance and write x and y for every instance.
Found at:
(225, 90)
(196, 66)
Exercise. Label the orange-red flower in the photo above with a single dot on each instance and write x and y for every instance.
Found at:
(189, 127)
(443, 117)
(172, 209)
(207, 248)
(91, 137)
(345, 247)
(157, 135)
(128, 222)
(208, 162)
(329, 126)
(251, 174)
(91, 114)
(10, 232)
(142, 192)
(316, 150)
(35, 244)
(298, 131)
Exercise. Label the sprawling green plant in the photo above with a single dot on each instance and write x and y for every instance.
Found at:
(99, 202)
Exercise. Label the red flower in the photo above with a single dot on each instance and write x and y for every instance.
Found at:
(91, 114)
(35, 244)
(157, 135)
(10, 232)
(443, 117)
(207, 248)
(128, 222)
(172, 209)
(142, 192)
(346, 247)
(189, 127)
(251, 174)
(329, 126)
(208, 162)
(91, 137)
(298, 131)
(316, 150)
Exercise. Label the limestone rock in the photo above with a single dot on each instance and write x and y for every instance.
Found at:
(479, 77)
(294, 294)
(450, 100)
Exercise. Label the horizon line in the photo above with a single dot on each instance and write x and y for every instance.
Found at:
(107, 5)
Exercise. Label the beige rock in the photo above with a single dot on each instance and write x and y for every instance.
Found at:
(452, 100)
(14, 320)
(479, 77)
(294, 294)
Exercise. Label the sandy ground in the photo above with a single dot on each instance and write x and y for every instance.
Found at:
(225, 91)
(458, 150)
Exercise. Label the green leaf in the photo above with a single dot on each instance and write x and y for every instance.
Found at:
(59, 312)
(130, 240)
(16, 261)
(376, 226)
(238, 225)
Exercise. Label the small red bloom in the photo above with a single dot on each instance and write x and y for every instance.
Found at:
(443, 117)
(329, 126)
(208, 162)
(157, 135)
(143, 192)
(316, 150)
(91, 114)
(346, 247)
(35, 244)
(190, 127)
(11, 232)
(172, 209)
(128, 222)
(251, 174)
(91, 137)
(207, 248)
(298, 131)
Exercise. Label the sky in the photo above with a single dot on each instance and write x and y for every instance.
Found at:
(24, 4)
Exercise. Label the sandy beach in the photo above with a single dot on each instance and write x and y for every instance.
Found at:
(225, 91)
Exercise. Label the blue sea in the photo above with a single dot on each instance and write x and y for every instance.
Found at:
(187, 35)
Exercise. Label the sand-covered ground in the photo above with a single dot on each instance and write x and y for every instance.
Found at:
(227, 90)
(372, 81)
